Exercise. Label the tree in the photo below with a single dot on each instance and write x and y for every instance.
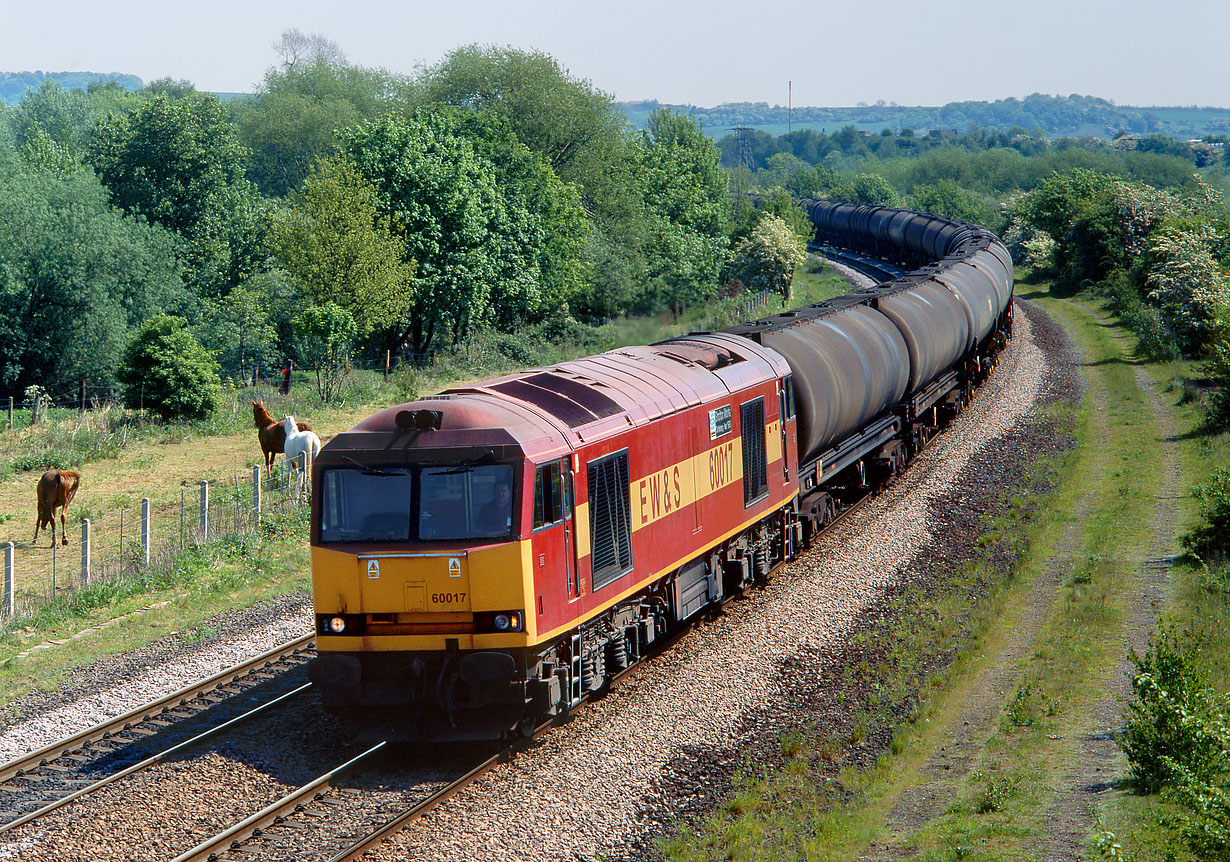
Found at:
(686, 198)
(294, 46)
(75, 276)
(292, 120)
(178, 162)
(169, 159)
(560, 117)
(946, 198)
(766, 259)
(325, 335)
(496, 236)
(874, 191)
(165, 369)
(238, 330)
(336, 244)
(1187, 285)
(67, 117)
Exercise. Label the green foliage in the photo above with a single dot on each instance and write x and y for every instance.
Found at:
(946, 198)
(291, 122)
(781, 203)
(169, 158)
(75, 276)
(1218, 370)
(238, 328)
(179, 163)
(686, 197)
(562, 118)
(1186, 283)
(766, 259)
(67, 117)
(165, 369)
(1173, 716)
(337, 246)
(325, 335)
(1211, 538)
(496, 235)
(874, 191)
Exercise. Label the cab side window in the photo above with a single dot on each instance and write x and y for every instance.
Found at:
(548, 496)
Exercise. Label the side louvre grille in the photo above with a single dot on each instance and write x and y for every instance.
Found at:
(610, 523)
(755, 469)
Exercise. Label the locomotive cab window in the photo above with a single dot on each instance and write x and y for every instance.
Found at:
(365, 505)
(787, 393)
(464, 502)
(755, 465)
(549, 496)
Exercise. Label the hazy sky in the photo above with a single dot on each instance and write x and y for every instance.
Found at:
(1134, 52)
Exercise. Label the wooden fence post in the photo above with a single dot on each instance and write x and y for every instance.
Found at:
(85, 552)
(34, 411)
(145, 529)
(10, 604)
(256, 495)
(10, 412)
(204, 511)
(387, 356)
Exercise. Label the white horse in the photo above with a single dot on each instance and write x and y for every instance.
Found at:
(297, 443)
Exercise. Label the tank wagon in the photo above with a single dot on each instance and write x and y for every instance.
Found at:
(485, 558)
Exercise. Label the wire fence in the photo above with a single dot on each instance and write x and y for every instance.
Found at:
(127, 542)
(756, 301)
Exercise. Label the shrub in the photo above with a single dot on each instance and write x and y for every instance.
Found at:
(165, 369)
(324, 335)
(1167, 727)
(1218, 369)
(1211, 538)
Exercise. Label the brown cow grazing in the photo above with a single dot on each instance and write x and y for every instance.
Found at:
(271, 433)
(55, 491)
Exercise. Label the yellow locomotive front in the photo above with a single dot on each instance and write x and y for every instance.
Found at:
(421, 577)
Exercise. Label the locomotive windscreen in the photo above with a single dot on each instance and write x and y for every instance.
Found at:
(396, 504)
(365, 505)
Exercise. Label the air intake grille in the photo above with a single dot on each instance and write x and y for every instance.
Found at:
(755, 469)
(609, 519)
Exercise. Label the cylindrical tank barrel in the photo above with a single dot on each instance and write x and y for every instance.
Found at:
(935, 325)
(848, 366)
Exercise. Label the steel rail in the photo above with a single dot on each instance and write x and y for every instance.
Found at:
(34, 759)
(272, 813)
(391, 827)
(149, 761)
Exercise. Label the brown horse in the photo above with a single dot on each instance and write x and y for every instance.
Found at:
(270, 433)
(55, 491)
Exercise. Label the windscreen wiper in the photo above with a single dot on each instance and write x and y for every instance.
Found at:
(368, 470)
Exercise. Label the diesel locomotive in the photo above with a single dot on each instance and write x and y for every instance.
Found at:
(485, 558)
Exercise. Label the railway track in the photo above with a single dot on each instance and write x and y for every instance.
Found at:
(869, 266)
(42, 781)
(279, 830)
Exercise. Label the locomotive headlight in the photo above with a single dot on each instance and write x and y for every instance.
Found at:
(503, 622)
(337, 625)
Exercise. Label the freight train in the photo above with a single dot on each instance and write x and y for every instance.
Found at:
(486, 558)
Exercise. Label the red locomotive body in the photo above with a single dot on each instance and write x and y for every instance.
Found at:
(642, 486)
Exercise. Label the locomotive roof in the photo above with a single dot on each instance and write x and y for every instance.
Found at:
(553, 410)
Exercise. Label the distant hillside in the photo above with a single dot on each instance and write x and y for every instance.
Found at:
(13, 85)
(1057, 116)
